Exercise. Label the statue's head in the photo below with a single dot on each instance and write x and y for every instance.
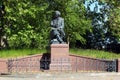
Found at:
(57, 13)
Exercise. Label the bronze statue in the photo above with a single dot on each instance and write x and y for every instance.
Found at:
(57, 29)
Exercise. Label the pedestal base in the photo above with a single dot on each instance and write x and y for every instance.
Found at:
(60, 57)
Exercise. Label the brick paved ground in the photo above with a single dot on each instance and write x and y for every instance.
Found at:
(62, 76)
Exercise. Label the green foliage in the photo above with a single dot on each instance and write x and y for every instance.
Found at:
(115, 21)
(76, 23)
(27, 22)
(114, 18)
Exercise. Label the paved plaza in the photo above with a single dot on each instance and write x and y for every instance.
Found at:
(62, 76)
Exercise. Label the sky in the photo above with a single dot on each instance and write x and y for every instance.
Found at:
(93, 5)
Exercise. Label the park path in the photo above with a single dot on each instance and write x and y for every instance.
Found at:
(62, 76)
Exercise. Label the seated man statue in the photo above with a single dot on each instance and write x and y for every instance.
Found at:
(57, 26)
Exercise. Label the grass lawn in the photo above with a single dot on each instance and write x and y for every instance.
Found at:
(81, 52)
(20, 53)
(95, 53)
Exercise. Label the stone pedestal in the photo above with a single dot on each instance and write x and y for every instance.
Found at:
(60, 57)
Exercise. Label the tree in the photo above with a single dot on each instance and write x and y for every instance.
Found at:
(76, 23)
(105, 23)
(27, 22)
(98, 14)
(114, 26)
(3, 40)
(114, 17)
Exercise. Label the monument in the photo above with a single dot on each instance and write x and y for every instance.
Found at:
(59, 48)
(57, 29)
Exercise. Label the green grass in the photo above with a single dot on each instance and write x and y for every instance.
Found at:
(95, 53)
(20, 53)
(81, 52)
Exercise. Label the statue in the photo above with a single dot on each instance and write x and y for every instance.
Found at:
(57, 29)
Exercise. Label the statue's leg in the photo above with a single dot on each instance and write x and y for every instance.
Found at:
(59, 39)
(62, 33)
